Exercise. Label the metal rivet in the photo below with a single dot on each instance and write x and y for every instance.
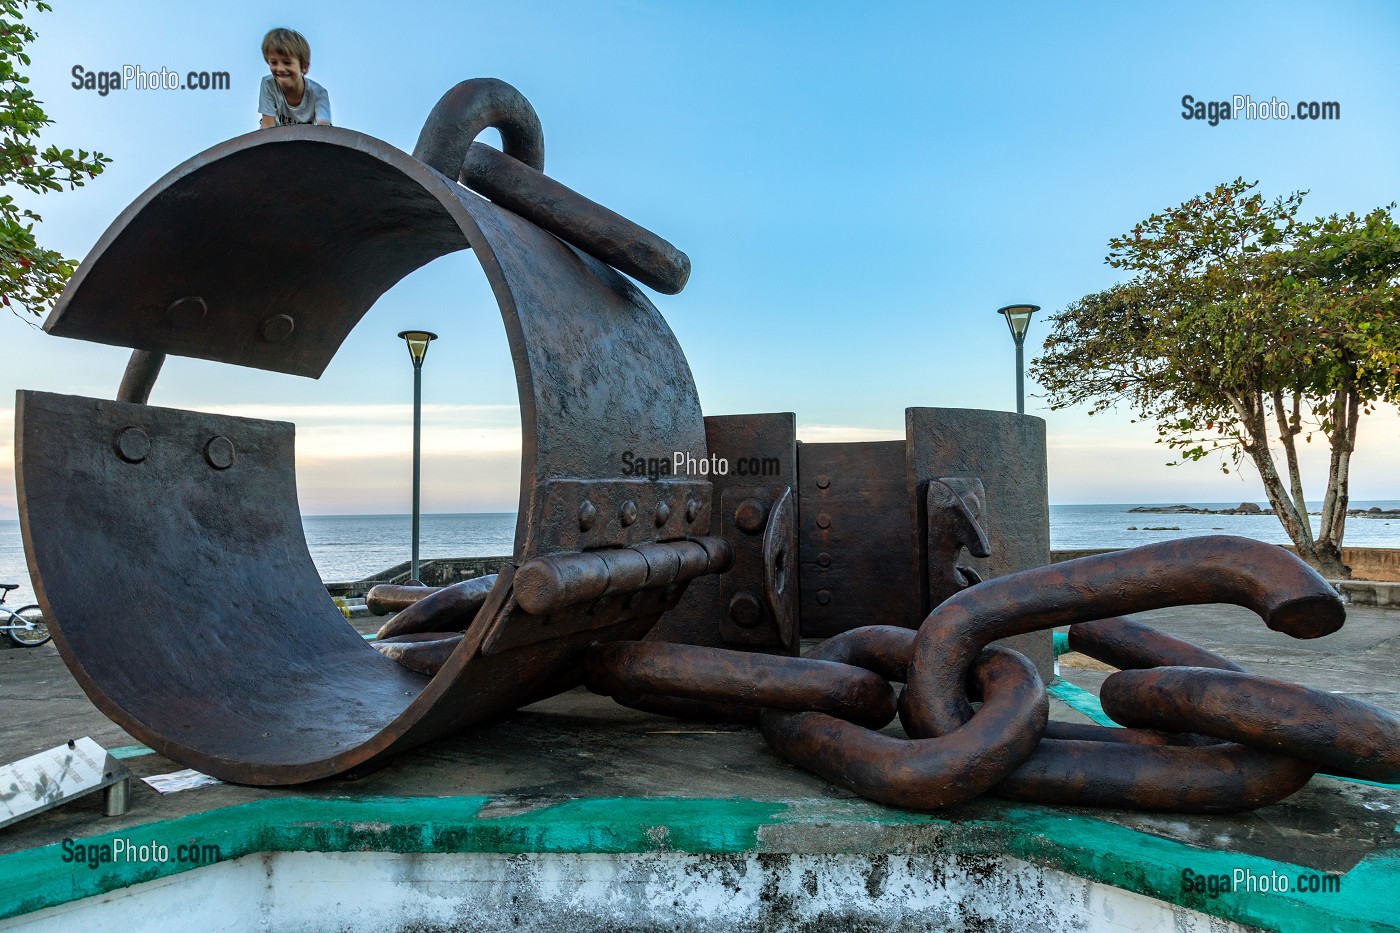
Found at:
(750, 516)
(587, 515)
(823, 520)
(692, 510)
(132, 444)
(219, 452)
(628, 513)
(823, 559)
(823, 596)
(663, 514)
(745, 610)
(186, 312)
(277, 328)
(823, 481)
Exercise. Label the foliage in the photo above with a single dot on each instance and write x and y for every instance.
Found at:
(1243, 326)
(32, 275)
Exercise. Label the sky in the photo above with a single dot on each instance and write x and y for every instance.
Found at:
(859, 187)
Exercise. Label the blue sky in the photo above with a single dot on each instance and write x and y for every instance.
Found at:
(858, 187)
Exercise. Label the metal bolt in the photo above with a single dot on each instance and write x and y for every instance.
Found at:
(663, 514)
(745, 610)
(186, 312)
(823, 597)
(628, 514)
(823, 520)
(750, 516)
(587, 515)
(277, 328)
(132, 444)
(692, 510)
(219, 452)
(823, 559)
(823, 481)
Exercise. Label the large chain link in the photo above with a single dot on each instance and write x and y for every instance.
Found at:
(1202, 736)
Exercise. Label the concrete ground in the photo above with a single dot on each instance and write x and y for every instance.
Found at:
(582, 746)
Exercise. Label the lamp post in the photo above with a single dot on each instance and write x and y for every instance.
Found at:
(417, 341)
(1018, 318)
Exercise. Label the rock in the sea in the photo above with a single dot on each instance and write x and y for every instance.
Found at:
(1249, 508)
(1168, 509)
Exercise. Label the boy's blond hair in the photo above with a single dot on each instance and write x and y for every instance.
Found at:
(287, 42)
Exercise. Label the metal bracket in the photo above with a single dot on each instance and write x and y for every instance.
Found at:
(585, 514)
(758, 596)
(955, 516)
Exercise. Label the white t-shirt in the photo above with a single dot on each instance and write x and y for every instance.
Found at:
(315, 106)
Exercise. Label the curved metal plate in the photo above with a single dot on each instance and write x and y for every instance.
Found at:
(292, 697)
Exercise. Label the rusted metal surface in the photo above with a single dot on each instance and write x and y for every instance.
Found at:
(740, 677)
(424, 652)
(1130, 645)
(1290, 596)
(546, 585)
(1223, 778)
(102, 516)
(1328, 730)
(474, 105)
(931, 773)
(1006, 453)
(1205, 739)
(185, 270)
(954, 509)
(133, 515)
(446, 609)
(567, 214)
(860, 560)
(746, 608)
(140, 376)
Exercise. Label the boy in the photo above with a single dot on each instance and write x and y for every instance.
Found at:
(287, 96)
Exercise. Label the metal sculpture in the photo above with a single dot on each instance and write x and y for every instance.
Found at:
(685, 594)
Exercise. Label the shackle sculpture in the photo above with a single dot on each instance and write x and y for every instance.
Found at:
(184, 526)
(167, 550)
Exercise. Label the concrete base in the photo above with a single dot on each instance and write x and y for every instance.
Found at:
(673, 891)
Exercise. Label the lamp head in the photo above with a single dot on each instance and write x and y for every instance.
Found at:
(1018, 318)
(418, 341)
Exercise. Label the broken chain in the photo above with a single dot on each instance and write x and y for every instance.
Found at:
(1202, 735)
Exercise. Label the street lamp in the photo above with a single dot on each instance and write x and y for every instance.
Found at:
(1018, 318)
(417, 341)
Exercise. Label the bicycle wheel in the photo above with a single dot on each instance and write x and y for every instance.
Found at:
(32, 637)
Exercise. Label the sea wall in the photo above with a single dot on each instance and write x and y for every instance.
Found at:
(439, 572)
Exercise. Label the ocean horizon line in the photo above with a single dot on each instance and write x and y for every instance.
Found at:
(1199, 503)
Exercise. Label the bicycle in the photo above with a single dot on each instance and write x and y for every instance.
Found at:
(25, 625)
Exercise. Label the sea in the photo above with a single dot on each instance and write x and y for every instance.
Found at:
(352, 547)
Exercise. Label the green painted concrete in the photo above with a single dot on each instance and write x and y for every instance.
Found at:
(1061, 642)
(1080, 700)
(1079, 845)
(130, 751)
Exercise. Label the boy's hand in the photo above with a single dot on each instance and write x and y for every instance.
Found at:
(267, 122)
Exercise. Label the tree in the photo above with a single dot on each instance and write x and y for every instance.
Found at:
(33, 276)
(1241, 330)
